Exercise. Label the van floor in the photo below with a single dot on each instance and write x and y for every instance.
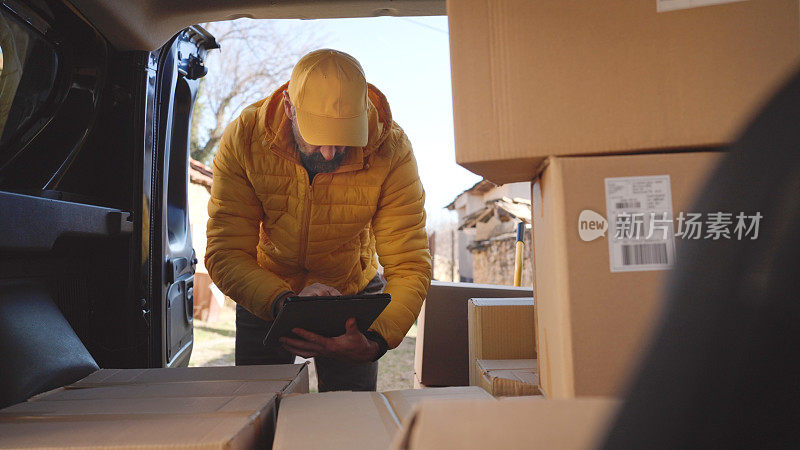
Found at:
(214, 344)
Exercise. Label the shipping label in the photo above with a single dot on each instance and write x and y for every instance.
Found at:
(641, 232)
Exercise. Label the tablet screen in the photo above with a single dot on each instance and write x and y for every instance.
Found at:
(325, 316)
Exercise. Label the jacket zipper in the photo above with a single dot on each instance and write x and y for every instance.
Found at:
(306, 220)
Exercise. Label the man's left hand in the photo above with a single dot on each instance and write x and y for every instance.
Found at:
(352, 346)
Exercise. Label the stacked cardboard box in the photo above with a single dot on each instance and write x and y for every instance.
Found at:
(508, 377)
(502, 329)
(613, 110)
(442, 350)
(210, 408)
(597, 285)
(586, 77)
(349, 420)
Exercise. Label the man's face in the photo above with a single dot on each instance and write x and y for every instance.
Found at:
(316, 158)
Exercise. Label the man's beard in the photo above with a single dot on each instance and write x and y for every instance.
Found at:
(316, 163)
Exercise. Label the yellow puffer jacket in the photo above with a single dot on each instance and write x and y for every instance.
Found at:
(269, 231)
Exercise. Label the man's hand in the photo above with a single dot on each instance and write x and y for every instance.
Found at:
(352, 346)
(318, 290)
(312, 290)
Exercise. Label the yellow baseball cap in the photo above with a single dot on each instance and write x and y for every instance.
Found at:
(329, 93)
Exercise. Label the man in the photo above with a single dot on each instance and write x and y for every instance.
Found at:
(309, 183)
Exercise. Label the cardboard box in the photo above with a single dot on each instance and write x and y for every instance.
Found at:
(222, 430)
(214, 407)
(355, 420)
(500, 328)
(508, 377)
(533, 79)
(577, 424)
(442, 352)
(595, 310)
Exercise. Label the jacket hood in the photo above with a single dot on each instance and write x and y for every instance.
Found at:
(276, 129)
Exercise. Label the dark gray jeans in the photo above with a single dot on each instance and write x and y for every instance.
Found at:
(332, 375)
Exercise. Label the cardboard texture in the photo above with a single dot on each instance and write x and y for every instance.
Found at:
(499, 328)
(592, 322)
(533, 79)
(194, 431)
(208, 423)
(522, 423)
(509, 377)
(403, 401)
(442, 351)
(214, 407)
(350, 420)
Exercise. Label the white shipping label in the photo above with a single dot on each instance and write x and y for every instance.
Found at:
(641, 233)
(672, 5)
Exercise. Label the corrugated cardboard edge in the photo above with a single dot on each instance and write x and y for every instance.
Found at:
(299, 384)
(419, 346)
(562, 280)
(540, 168)
(472, 344)
(500, 386)
(560, 283)
(402, 439)
(260, 429)
(506, 387)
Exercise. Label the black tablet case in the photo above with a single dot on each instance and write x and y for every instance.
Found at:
(325, 315)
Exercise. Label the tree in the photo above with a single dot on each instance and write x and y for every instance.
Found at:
(255, 57)
(443, 234)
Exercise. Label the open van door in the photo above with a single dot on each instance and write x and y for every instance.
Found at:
(175, 79)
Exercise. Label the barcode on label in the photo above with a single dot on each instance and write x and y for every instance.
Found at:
(640, 254)
(628, 204)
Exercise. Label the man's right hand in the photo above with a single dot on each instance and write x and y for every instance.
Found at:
(312, 290)
(317, 290)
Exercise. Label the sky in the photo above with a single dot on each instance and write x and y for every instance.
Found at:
(408, 59)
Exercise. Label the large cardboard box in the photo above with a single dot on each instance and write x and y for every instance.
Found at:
(355, 420)
(508, 377)
(597, 299)
(577, 424)
(499, 328)
(239, 429)
(214, 407)
(442, 350)
(538, 78)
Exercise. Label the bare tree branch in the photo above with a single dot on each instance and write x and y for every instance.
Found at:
(255, 57)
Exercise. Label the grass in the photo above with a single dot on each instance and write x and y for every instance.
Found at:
(214, 346)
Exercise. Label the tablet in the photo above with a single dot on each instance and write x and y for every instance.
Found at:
(325, 315)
